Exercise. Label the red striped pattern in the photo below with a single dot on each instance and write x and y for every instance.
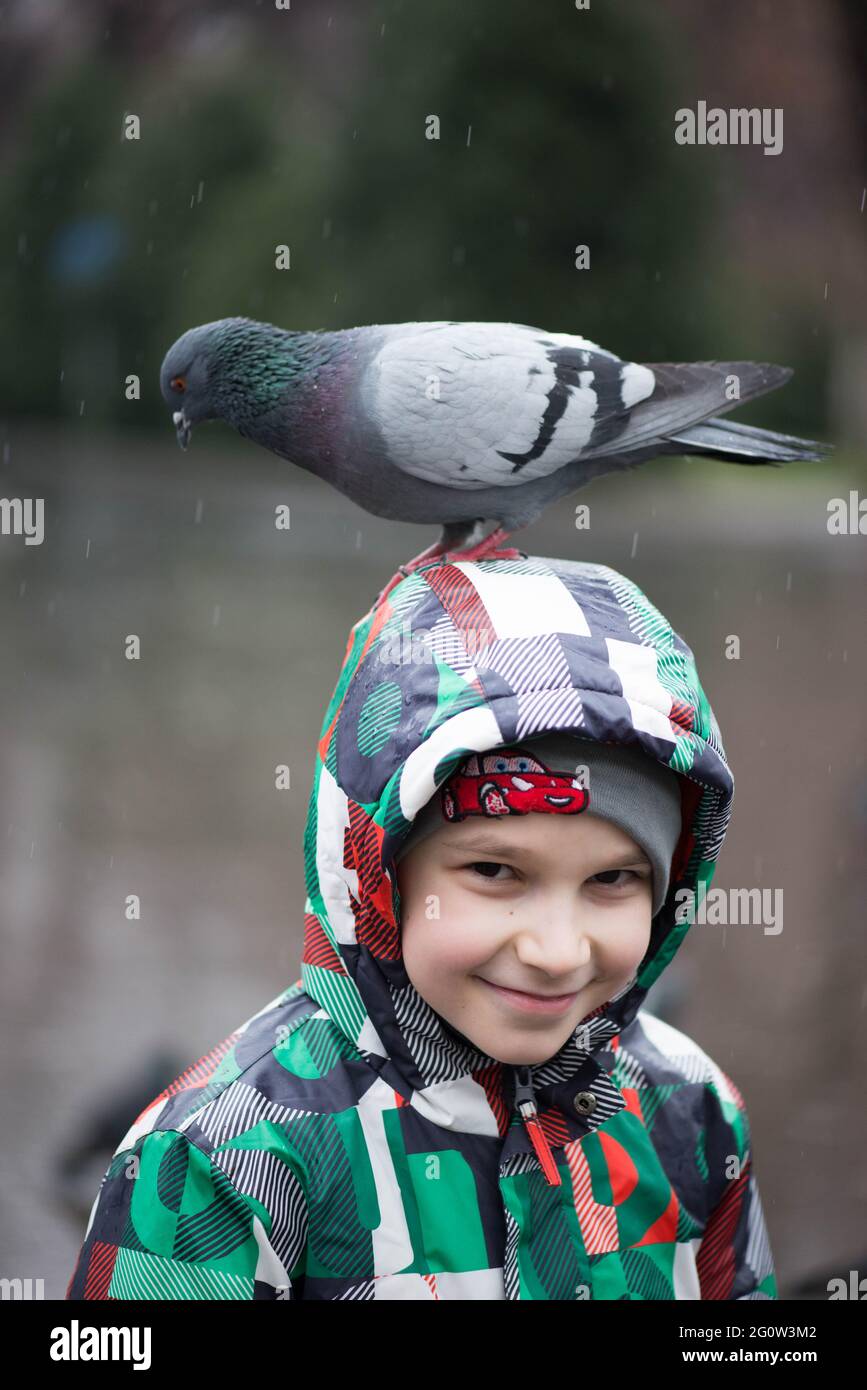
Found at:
(463, 604)
(715, 1260)
(376, 926)
(318, 949)
(100, 1270)
(195, 1076)
(490, 1078)
(553, 1125)
(597, 1222)
(682, 716)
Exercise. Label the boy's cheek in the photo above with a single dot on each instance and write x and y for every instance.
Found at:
(454, 942)
(625, 955)
(430, 900)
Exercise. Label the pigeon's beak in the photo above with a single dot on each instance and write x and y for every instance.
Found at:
(183, 427)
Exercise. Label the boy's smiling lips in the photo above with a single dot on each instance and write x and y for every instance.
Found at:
(533, 1003)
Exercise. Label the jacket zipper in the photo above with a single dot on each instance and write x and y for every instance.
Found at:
(525, 1102)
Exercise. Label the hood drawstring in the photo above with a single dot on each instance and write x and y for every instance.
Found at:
(525, 1102)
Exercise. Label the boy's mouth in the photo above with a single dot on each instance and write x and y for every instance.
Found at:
(532, 1003)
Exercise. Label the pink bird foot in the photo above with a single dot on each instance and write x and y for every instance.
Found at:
(487, 549)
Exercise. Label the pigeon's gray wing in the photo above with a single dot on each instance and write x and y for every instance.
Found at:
(686, 394)
(479, 405)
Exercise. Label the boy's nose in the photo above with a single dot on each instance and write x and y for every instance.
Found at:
(559, 944)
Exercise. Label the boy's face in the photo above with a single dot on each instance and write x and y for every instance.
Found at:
(539, 904)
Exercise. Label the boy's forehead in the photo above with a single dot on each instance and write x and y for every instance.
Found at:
(535, 830)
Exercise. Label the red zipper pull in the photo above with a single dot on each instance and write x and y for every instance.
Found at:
(526, 1104)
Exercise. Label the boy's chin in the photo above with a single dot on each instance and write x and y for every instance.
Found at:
(526, 1053)
(514, 1051)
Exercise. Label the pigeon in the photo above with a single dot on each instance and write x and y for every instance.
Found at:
(462, 424)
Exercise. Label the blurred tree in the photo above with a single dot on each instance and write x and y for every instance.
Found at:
(555, 131)
(106, 229)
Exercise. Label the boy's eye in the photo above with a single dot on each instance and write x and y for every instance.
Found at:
(607, 874)
(482, 866)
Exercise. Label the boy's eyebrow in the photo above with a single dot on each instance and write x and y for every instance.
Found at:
(480, 844)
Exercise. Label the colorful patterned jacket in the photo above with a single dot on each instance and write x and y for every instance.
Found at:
(344, 1142)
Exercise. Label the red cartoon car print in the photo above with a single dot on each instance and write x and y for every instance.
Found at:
(510, 782)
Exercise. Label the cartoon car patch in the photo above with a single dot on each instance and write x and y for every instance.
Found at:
(509, 782)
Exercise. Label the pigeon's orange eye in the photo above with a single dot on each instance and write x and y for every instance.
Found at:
(178, 383)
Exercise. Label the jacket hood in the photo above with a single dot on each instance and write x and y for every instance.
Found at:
(459, 658)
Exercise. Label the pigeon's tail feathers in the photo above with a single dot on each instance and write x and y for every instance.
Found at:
(737, 443)
(687, 393)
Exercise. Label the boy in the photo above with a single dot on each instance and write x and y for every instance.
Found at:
(519, 785)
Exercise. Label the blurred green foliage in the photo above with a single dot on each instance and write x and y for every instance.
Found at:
(555, 131)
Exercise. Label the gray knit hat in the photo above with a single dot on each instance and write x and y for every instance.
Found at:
(626, 786)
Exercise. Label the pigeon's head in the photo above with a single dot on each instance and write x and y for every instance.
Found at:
(188, 378)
